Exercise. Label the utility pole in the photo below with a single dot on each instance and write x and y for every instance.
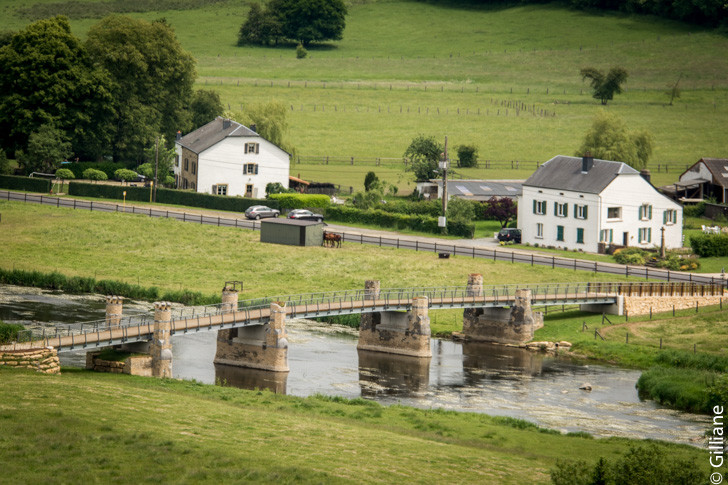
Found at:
(156, 166)
(442, 222)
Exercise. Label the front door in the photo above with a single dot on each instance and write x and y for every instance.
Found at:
(625, 239)
(249, 190)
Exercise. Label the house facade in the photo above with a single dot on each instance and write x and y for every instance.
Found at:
(708, 177)
(224, 157)
(589, 204)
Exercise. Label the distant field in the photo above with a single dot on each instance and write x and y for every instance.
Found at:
(504, 79)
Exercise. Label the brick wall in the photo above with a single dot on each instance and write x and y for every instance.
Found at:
(640, 305)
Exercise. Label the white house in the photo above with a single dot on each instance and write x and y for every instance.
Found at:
(224, 157)
(588, 204)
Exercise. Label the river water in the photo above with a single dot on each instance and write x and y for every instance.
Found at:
(480, 378)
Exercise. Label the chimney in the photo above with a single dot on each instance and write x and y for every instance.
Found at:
(646, 175)
(254, 128)
(587, 162)
(179, 135)
(225, 124)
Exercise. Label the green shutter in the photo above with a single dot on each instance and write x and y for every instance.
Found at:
(566, 210)
(534, 206)
(585, 211)
(664, 217)
(649, 212)
(640, 214)
(556, 208)
(649, 234)
(580, 235)
(576, 211)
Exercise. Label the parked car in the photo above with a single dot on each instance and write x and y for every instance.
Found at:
(260, 211)
(305, 215)
(510, 234)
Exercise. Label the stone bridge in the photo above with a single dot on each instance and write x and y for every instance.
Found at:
(252, 333)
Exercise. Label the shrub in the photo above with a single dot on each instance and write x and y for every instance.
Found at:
(9, 332)
(706, 245)
(301, 201)
(467, 156)
(78, 168)
(398, 221)
(25, 183)
(634, 256)
(697, 210)
(301, 52)
(94, 174)
(64, 174)
(125, 174)
(370, 181)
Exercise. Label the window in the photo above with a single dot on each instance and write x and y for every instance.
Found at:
(645, 212)
(219, 189)
(252, 147)
(194, 168)
(249, 190)
(579, 235)
(184, 184)
(176, 160)
(559, 233)
(669, 216)
(539, 207)
(580, 211)
(606, 235)
(645, 235)
(614, 213)
(192, 185)
(561, 210)
(187, 163)
(250, 169)
(539, 230)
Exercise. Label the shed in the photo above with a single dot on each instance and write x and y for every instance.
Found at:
(292, 232)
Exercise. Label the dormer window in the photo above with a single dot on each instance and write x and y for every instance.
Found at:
(252, 147)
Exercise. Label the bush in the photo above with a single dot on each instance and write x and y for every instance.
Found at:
(467, 156)
(125, 174)
(25, 183)
(697, 210)
(168, 196)
(301, 52)
(634, 256)
(79, 168)
(64, 174)
(94, 174)
(706, 245)
(301, 201)
(674, 262)
(9, 332)
(398, 221)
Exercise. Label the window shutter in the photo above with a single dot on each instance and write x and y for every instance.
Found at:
(664, 217)
(611, 234)
(566, 210)
(245, 169)
(214, 190)
(257, 149)
(256, 168)
(556, 208)
(576, 211)
(586, 214)
(649, 209)
(246, 148)
(640, 213)
(649, 234)
(534, 206)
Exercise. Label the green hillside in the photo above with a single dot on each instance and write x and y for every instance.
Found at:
(504, 79)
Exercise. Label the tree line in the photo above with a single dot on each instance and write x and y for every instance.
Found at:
(128, 85)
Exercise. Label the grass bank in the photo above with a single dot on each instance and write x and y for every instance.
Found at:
(81, 427)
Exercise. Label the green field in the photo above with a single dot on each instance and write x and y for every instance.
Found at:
(401, 62)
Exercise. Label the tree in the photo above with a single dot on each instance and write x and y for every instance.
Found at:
(424, 154)
(467, 156)
(47, 147)
(152, 80)
(460, 210)
(605, 86)
(371, 181)
(204, 107)
(309, 21)
(125, 175)
(161, 156)
(4, 163)
(47, 77)
(64, 174)
(367, 200)
(94, 174)
(261, 27)
(609, 139)
(270, 120)
(502, 209)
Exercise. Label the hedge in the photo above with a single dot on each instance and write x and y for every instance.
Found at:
(25, 183)
(398, 221)
(705, 245)
(167, 196)
(301, 201)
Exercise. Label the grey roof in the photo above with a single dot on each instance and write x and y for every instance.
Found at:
(482, 189)
(718, 167)
(291, 222)
(214, 132)
(564, 173)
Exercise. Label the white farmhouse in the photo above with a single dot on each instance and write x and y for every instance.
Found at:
(226, 158)
(588, 204)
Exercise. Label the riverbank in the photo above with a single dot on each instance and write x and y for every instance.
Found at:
(98, 427)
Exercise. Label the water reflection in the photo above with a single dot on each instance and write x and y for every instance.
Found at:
(244, 378)
(482, 362)
(392, 375)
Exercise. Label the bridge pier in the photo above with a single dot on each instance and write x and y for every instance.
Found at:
(402, 333)
(114, 307)
(514, 325)
(161, 347)
(262, 347)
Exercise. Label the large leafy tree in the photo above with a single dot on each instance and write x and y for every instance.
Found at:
(609, 139)
(502, 209)
(605, 86)
(47, 78)
(204, 107)
(153, 78)
(262, 27)
(424, 154)
(46, 149)
(270, 120)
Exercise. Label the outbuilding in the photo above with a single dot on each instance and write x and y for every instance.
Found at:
(292, 232)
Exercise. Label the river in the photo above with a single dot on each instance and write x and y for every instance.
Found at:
(482, 378)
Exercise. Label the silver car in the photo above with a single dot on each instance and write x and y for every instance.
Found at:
(259, 211)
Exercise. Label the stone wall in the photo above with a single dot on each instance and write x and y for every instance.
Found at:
(44, 360)
(640, 305)
(138, 365)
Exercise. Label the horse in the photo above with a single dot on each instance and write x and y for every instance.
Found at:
(331, 239)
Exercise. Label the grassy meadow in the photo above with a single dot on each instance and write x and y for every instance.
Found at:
(91, 427)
